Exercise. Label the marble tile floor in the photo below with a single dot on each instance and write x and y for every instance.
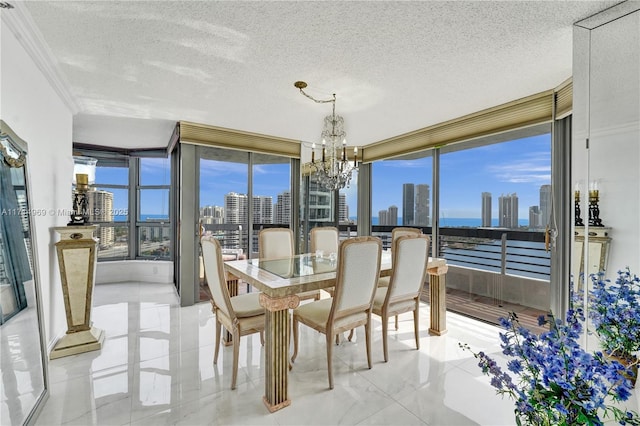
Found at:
(156, 367)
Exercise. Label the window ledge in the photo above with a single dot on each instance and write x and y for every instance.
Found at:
(151, 271)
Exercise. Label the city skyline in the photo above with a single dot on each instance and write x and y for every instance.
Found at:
(521, 166)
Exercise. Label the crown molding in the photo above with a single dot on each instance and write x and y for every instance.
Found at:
(21, 24)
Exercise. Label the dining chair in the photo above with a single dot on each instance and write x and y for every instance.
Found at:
(324, 239)
(274, 243)
(395, 234)
(410, 256)
(356, 276)
(240, 315)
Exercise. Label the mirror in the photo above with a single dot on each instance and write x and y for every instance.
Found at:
(23, 359)
(606, 113)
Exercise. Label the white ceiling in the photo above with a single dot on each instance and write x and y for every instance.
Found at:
(395, 66)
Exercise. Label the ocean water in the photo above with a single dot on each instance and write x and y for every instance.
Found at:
(456, 222)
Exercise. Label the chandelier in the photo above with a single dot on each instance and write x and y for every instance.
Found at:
(333, 170)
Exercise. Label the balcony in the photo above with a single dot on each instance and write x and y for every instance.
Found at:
(491, 271)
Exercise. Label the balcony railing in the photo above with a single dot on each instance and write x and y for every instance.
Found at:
(491, 271)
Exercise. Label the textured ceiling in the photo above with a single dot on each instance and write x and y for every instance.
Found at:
(395, 66)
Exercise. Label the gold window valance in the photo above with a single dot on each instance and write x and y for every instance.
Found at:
(202, 134)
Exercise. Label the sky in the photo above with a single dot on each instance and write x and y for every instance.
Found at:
(520, 166)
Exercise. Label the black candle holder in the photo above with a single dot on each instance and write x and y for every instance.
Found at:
(594, 209)
(578, 220)
(80, 213)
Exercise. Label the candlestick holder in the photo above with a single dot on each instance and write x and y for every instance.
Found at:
(578, 220)
(594, 209)
(80, 213)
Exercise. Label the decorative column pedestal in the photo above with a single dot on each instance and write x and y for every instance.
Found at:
(77, 261)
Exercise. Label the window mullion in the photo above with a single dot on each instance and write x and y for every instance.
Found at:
(134, 180)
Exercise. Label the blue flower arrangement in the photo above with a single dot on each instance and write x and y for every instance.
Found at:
(556, 382)
(614, 310)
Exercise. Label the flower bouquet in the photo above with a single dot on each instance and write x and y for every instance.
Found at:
(614, 310)
(556, 382)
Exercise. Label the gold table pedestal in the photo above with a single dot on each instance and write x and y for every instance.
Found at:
(438, 299)
(77, 261)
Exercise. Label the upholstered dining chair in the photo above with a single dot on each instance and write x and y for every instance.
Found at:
(410, 255)
(356, 276)
(274, 243)
(240, 315)
(395, 234)
(325, 239)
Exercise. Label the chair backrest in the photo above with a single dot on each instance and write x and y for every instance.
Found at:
(274, 243)
(214, 272)
(401, 231)
(410, 256)
(324, 238)
(357, 275)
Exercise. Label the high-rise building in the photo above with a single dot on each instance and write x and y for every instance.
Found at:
(422, 205)
(407, 204)
(382, 217)
(282, 214)
(212, 215)
(100, 205)
(392, 216)
(235, 208)
(320, 203)
(343, 208)
(508, 211)
(486, 209)
(535, 217)
(262, 209)
(545, 205)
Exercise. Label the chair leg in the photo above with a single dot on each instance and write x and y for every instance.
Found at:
(330, 359)
(416, 327)
(295, 338)
(367, 335)
(236, 355)
(337, 339)
(218, 333)
(396, 323)
(262, 338)
(385, 332)
(351, 333)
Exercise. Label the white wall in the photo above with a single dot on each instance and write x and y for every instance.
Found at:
(35, 112)
(606, 102)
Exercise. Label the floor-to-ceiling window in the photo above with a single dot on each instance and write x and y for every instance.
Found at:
(491, 198)
(494, 207)
(241, 193)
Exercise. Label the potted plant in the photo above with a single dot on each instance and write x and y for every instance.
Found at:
(614, 310)
(556, 382)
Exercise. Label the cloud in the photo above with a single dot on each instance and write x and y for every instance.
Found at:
(534, 168)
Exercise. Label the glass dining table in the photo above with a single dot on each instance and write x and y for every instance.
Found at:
(280, 280)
